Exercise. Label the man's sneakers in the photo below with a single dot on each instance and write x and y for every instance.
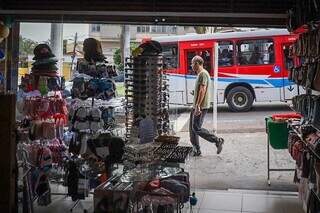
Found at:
(219, 145)
(196, 153)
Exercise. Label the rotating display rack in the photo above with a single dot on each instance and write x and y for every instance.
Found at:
(147, 94)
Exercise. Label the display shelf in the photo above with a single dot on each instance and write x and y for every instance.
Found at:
(315, 194)
(315, 92)
(310, 148)
(306, 27)
(317, 128)
(292, 108)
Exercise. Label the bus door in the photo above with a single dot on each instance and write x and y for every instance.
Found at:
(191, 76)
(289, 89)
(188, 49)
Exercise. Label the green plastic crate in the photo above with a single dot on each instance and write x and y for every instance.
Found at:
(278, 134)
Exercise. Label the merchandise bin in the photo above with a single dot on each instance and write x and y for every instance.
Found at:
(277, 138)
(277, 133)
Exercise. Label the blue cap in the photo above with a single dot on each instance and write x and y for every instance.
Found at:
(2, 55)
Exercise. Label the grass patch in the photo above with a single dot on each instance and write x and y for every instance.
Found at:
(120, 89)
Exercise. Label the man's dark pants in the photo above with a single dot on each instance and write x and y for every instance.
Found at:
(196, 130)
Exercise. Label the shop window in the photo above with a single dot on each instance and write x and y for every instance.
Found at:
(205, 54)
(95, 27)
(159, 29)
(153, 29)
(170, 55)
(173, 29)
(147, 29)
(164, 29)
(225, 54)
(255, 52)
(156, 29)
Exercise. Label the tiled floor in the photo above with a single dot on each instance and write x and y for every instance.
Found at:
(246, 201)
(209, 201)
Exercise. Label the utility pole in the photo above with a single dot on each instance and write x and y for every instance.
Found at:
(57, 43)
(125, 42)
(74, 52)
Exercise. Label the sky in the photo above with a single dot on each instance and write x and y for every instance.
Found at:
(40, 32)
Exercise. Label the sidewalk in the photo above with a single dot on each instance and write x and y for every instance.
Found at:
(246, 201)
(243, 161)
(241, 165)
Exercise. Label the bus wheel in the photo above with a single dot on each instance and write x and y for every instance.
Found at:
(240, 99)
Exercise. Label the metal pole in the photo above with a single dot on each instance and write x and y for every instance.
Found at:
(73, 53)
(12, 58)
(56, 42)
(215, 88)
(125, 43)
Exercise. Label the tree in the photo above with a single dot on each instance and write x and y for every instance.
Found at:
(201, 29)
(26, 46)
(117, 56)
(117, 60)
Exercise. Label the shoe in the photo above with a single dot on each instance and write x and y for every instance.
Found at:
(219, 145)
(196, 153)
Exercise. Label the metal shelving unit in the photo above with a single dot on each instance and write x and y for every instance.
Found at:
(313, 153)
(310, 148)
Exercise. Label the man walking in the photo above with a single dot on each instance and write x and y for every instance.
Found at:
(201, 104)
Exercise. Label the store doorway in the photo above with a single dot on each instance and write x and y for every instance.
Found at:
(242, 164)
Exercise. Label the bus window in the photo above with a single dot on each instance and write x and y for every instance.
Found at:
(225, 58)
(255, 52)
(170, 55)
(205, 54)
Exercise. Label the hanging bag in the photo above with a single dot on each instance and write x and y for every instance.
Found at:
(316, 80)
(312, 69)
(316, 112)
(95, 119)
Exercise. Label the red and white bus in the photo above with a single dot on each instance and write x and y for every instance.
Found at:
(253, 66)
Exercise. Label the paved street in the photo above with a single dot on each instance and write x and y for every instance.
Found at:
(230, 122)
(243, 162)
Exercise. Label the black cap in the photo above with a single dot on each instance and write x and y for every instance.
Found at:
(42, 51)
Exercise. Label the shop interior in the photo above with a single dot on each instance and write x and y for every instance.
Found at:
(77, 155)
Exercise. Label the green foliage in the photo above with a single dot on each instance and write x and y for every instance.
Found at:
(200, 29)
(117, 56)
(133, 46)
(26, 46)
(120, 89)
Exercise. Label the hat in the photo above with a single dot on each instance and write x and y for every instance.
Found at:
(151, 48)
(42, 51)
